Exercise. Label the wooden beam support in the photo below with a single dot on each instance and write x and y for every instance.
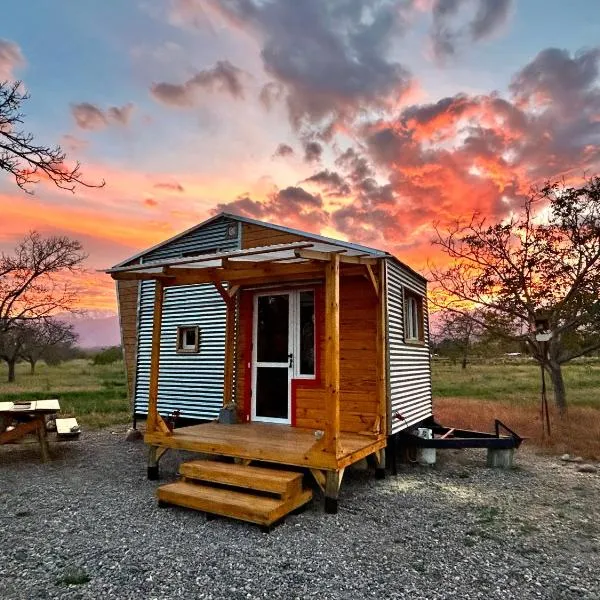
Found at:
(373, 278)
(332, 355)
(319, 478)
(233, 290)
(152, 421)
(326, 257)
(224, 294)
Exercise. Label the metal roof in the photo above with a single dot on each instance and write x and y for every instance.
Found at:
(281, 253)
(350, 248)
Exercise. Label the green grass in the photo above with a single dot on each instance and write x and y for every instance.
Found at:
(516, 382)
(95, 394)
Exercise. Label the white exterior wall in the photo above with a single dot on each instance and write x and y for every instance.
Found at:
(409, 364)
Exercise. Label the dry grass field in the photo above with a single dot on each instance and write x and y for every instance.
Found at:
(95, 394)
(474, 397)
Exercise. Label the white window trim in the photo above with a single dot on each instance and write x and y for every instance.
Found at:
(411, 318)
(186, 348)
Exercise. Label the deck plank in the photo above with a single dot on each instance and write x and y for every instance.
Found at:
(268, 442)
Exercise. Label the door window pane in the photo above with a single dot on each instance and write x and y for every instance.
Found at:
(272, 392)
(272, 334)
(307, 333)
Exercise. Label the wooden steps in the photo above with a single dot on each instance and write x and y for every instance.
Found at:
(254, 494)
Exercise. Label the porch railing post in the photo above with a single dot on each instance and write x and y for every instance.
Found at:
(332, 353)
(151, 424)
(229, 352)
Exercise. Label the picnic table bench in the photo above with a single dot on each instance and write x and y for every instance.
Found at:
(17, 419)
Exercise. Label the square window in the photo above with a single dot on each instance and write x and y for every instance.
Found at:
(188, 339)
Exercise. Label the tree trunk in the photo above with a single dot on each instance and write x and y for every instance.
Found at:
(558, 383)
(31, 366)
(464, 361)
(11, 370)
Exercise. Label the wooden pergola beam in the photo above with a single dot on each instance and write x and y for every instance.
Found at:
(332, 354)
(133, 276)
(269, 272)
(326, 257)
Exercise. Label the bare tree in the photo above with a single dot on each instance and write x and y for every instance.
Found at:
(44, 335)
(32, 282)
(11, 343)
(462, 329)
(543, 263)
(25, 160)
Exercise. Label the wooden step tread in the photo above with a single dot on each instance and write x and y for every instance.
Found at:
(286, 483)
(230, 503)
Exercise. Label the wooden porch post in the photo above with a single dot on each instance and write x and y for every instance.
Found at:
(381, 366)
(381, 352)
(332, 354)
(152, 421)
(229, 352)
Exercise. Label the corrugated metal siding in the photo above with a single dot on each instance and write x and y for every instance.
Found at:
(191, 383)
(409, 367)
(211, 238)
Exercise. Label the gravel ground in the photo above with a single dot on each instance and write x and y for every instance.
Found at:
(87, 526)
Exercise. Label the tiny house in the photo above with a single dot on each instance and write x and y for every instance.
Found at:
(318, 348)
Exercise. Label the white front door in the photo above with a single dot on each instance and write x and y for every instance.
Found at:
(272, 358)
(283, 348)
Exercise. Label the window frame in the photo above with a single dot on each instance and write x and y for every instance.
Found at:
(182, 348)
(414, 317)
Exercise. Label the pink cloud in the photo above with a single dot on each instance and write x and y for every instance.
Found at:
(11, 58)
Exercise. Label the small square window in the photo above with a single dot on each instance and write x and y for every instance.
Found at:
(188, 339)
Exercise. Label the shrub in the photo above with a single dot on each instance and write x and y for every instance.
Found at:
(108, 356)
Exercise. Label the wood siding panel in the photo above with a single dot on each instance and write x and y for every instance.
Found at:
(256, 235)
(358, 381)
(127, 295)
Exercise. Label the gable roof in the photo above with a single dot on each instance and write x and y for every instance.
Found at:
(310, 236)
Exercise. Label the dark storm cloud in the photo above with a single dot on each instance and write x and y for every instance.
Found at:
(284, 150)
(451, 29)
(293, 206)
(223, 77)
(312, 151)
(331, 181)
(330, 56)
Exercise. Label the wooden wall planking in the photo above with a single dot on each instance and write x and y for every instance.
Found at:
(358, 381)
(257, 235)
(127, 294)
(359, 406)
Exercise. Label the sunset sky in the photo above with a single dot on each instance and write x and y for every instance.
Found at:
(365, 120)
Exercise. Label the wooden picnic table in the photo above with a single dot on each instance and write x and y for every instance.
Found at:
(17, 419)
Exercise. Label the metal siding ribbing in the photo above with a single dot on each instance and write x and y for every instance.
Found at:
(190, 383)
(409, 369)
(211, 238)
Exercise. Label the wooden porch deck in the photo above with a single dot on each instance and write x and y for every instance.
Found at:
(268, 442)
